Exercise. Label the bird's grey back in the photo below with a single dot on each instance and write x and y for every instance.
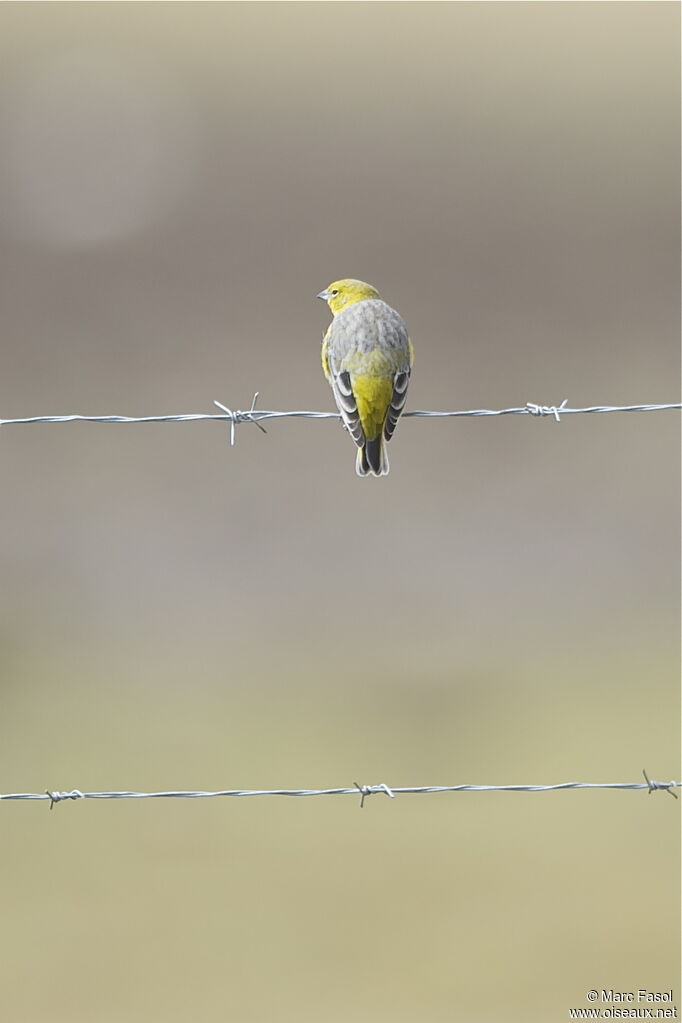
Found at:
(367, 325)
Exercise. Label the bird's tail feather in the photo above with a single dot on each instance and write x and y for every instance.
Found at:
(372, 459)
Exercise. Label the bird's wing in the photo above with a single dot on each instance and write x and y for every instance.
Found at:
(345, 399)
(400, 384)
(325, 356)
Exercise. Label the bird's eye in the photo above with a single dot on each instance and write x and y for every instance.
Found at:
(335, 292)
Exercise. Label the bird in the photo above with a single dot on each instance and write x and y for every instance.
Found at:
(367, 359)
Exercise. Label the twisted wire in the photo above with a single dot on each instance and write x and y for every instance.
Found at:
(256, 416)
(55, 796)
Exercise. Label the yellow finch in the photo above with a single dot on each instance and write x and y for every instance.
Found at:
(367, 358)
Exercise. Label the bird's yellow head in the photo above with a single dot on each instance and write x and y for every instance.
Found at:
(343, 293)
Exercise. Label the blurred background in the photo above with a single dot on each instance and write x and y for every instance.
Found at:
(177, 182)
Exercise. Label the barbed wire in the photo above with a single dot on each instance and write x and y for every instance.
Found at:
(256, 416)
(363, 791)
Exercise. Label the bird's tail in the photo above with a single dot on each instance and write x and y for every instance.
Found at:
(372, 459)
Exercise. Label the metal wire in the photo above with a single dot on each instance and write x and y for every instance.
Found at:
(356, 789)
(256, 416)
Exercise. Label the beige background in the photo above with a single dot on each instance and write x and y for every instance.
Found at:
(176, 184)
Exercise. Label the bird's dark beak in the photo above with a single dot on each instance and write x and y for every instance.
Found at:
(324, 295)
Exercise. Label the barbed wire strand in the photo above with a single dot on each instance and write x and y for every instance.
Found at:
(256, 416)
(364, 791)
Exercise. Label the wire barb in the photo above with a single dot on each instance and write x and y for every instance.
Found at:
(58, 797)
(547, 410)
(657, 786)
(240, 417)
(371, 790)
